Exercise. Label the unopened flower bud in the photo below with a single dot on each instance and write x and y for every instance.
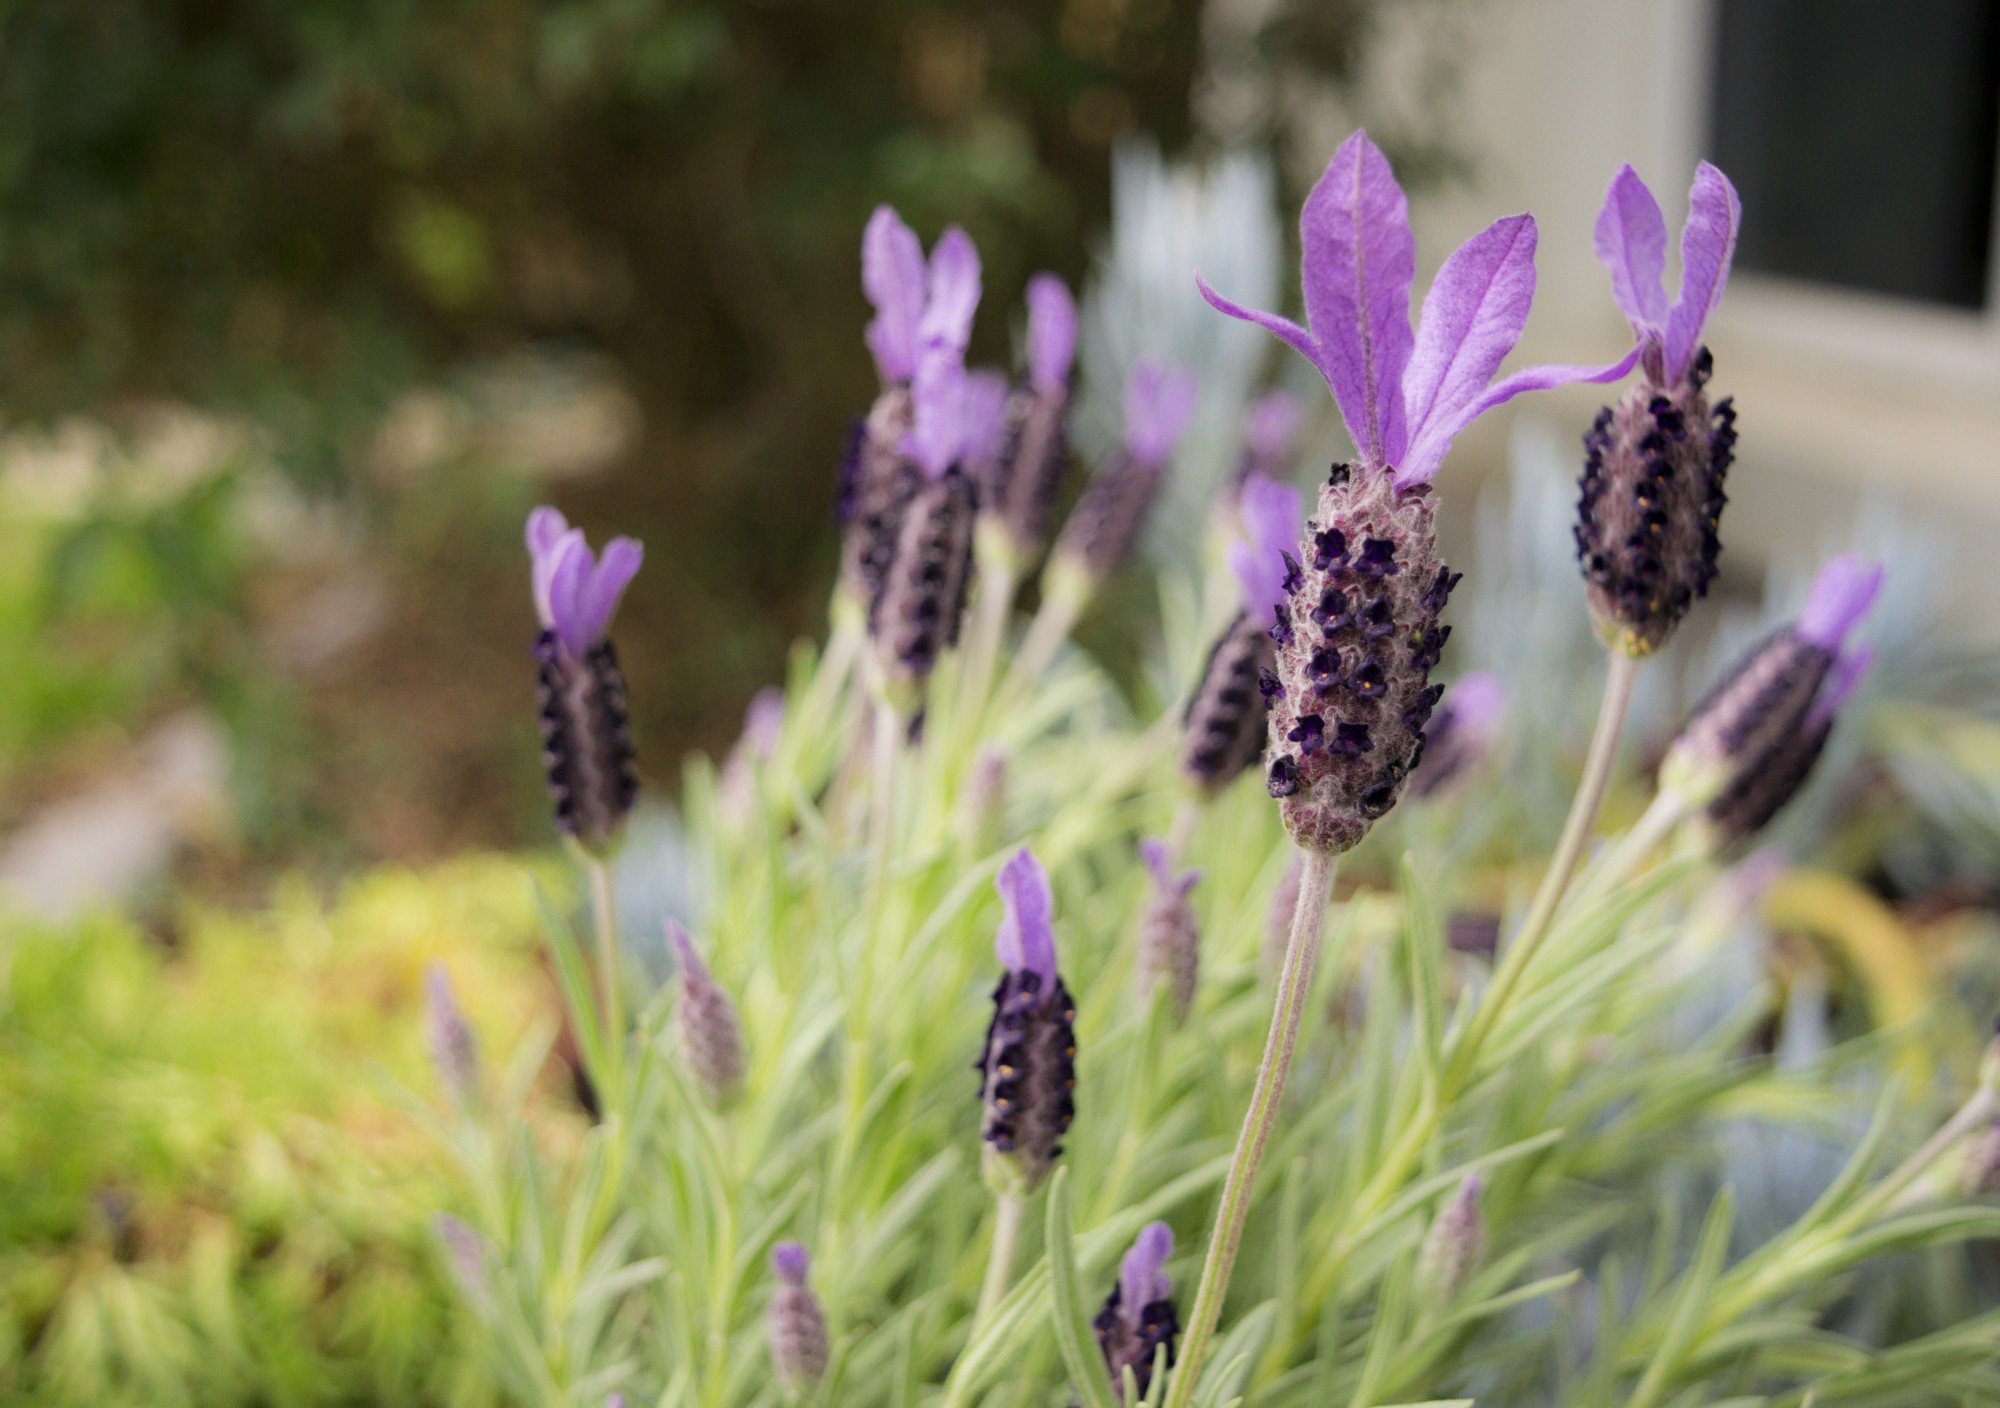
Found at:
(454, 1050)
(469, 1256)
(586, 725)
(1138, 1317)
(796, 1321)
(1169, 939)
(1027, 1068)
(875, 485)
(1455, 1244)
(1021, 484)
(1106, 521)
(1748, 744)
(1357, 636)
(711, 1035)
(1649, 511)
(1758, 794)
(1461, 735)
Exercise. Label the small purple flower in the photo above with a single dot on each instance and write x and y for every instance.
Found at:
(1749, 745)
(711, 1034)
(1051, 335)
(1461, 734)
(1158, 403)
(454, 1049)
(1631, 242)
(1403, 396)
(796, 1321)
(1028, 1065)
(586, 725)
(1268, 433)
(915, 305)
(1270, 512)
(1169, 938)
(1138, 1317)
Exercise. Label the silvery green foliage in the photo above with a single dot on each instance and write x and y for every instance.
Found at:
(1167, 219)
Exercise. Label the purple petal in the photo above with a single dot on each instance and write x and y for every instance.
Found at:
(763, 721)
(1840, 682)
(936, 437)
(597, 595)
(1841, 594)
(1153, 851)
(1301, 340)
(1142, 1276)
(892, 275)
(953, 294)
(1360, 260)
(1051, 333)
(1269, 427)
(1270, 514)
(1708, 244)
(1422, 462)
(791, 1262)
(693, 970)
(1632, 243)
(546, 531)
(1159, 401)
(1478, 702)
(1473, 316)
(562, 591)
(1026, 941)
(985, 411)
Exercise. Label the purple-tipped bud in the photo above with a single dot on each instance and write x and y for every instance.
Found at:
(469, 1256)
(1138, 1317)
(586, 725)
(1169, 938)
(1748, 746)
(1022, 482)
(916, 613)
(1278, 920)
(1462, 733)
(1269, 431)
(986, 429)
(711, 1035)
(1051, 334)
(1455, 1244)
(454, 1050)
(763, 724)
(1028, 1066)
(796, 1321)
(1222, 732)
(1649, 511)
(1356, 638)
(1106, 521)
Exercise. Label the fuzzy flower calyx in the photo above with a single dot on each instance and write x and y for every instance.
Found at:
(1748, 746)
(1169, 938)
(1138, 1317)
(796, 1322)
(1028, 1066)
(586, 724)
(1223, 728)
(1649, 506)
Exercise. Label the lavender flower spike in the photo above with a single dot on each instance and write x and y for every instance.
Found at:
(1022, 482)
(1138, 1317)
(1748, 746)
(1462, 734)
(796, 1321)
(1359, 630)
(1169, 938)
(1649, 511)
(454, 1050)
(1455, 1244)
(1158, 403)
(711, 1034)
(586, 727)
(1028, 1065)
(1222, 731)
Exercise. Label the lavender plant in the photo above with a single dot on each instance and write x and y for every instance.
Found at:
(1475, 1170)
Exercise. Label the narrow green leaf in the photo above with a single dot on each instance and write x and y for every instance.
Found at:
(1072, 1324)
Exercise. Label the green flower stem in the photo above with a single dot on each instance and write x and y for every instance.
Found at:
(604, 917)
(1576, 831)
(1294, 988)
(991, 607)
(1046, 633)
(1009, 1210)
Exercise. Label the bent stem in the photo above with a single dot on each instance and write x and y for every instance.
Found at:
(1294, 987)
(1008, 1210)
(1576, 831)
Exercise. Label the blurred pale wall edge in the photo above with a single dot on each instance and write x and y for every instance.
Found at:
(1847, 400)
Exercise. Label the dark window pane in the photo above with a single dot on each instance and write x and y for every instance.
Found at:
(1861, 135)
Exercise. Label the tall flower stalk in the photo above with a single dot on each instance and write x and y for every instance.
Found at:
(1360, 630)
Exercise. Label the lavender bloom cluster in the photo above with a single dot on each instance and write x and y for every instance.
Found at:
(1027, 1066)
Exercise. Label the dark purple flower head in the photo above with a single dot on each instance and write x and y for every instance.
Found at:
(1222, 731)
(1158, 403)
(1751, 742)
(576, 592)
(1631, 242)
(1270, 513)
(1051, 334)
(1403, 396)
(796, 1323)
(1139, 1316)
(915, 305)
(1027, 1069)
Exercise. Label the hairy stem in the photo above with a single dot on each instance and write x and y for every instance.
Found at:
(1008, 1210)
(604, 916)
(1294, 988)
